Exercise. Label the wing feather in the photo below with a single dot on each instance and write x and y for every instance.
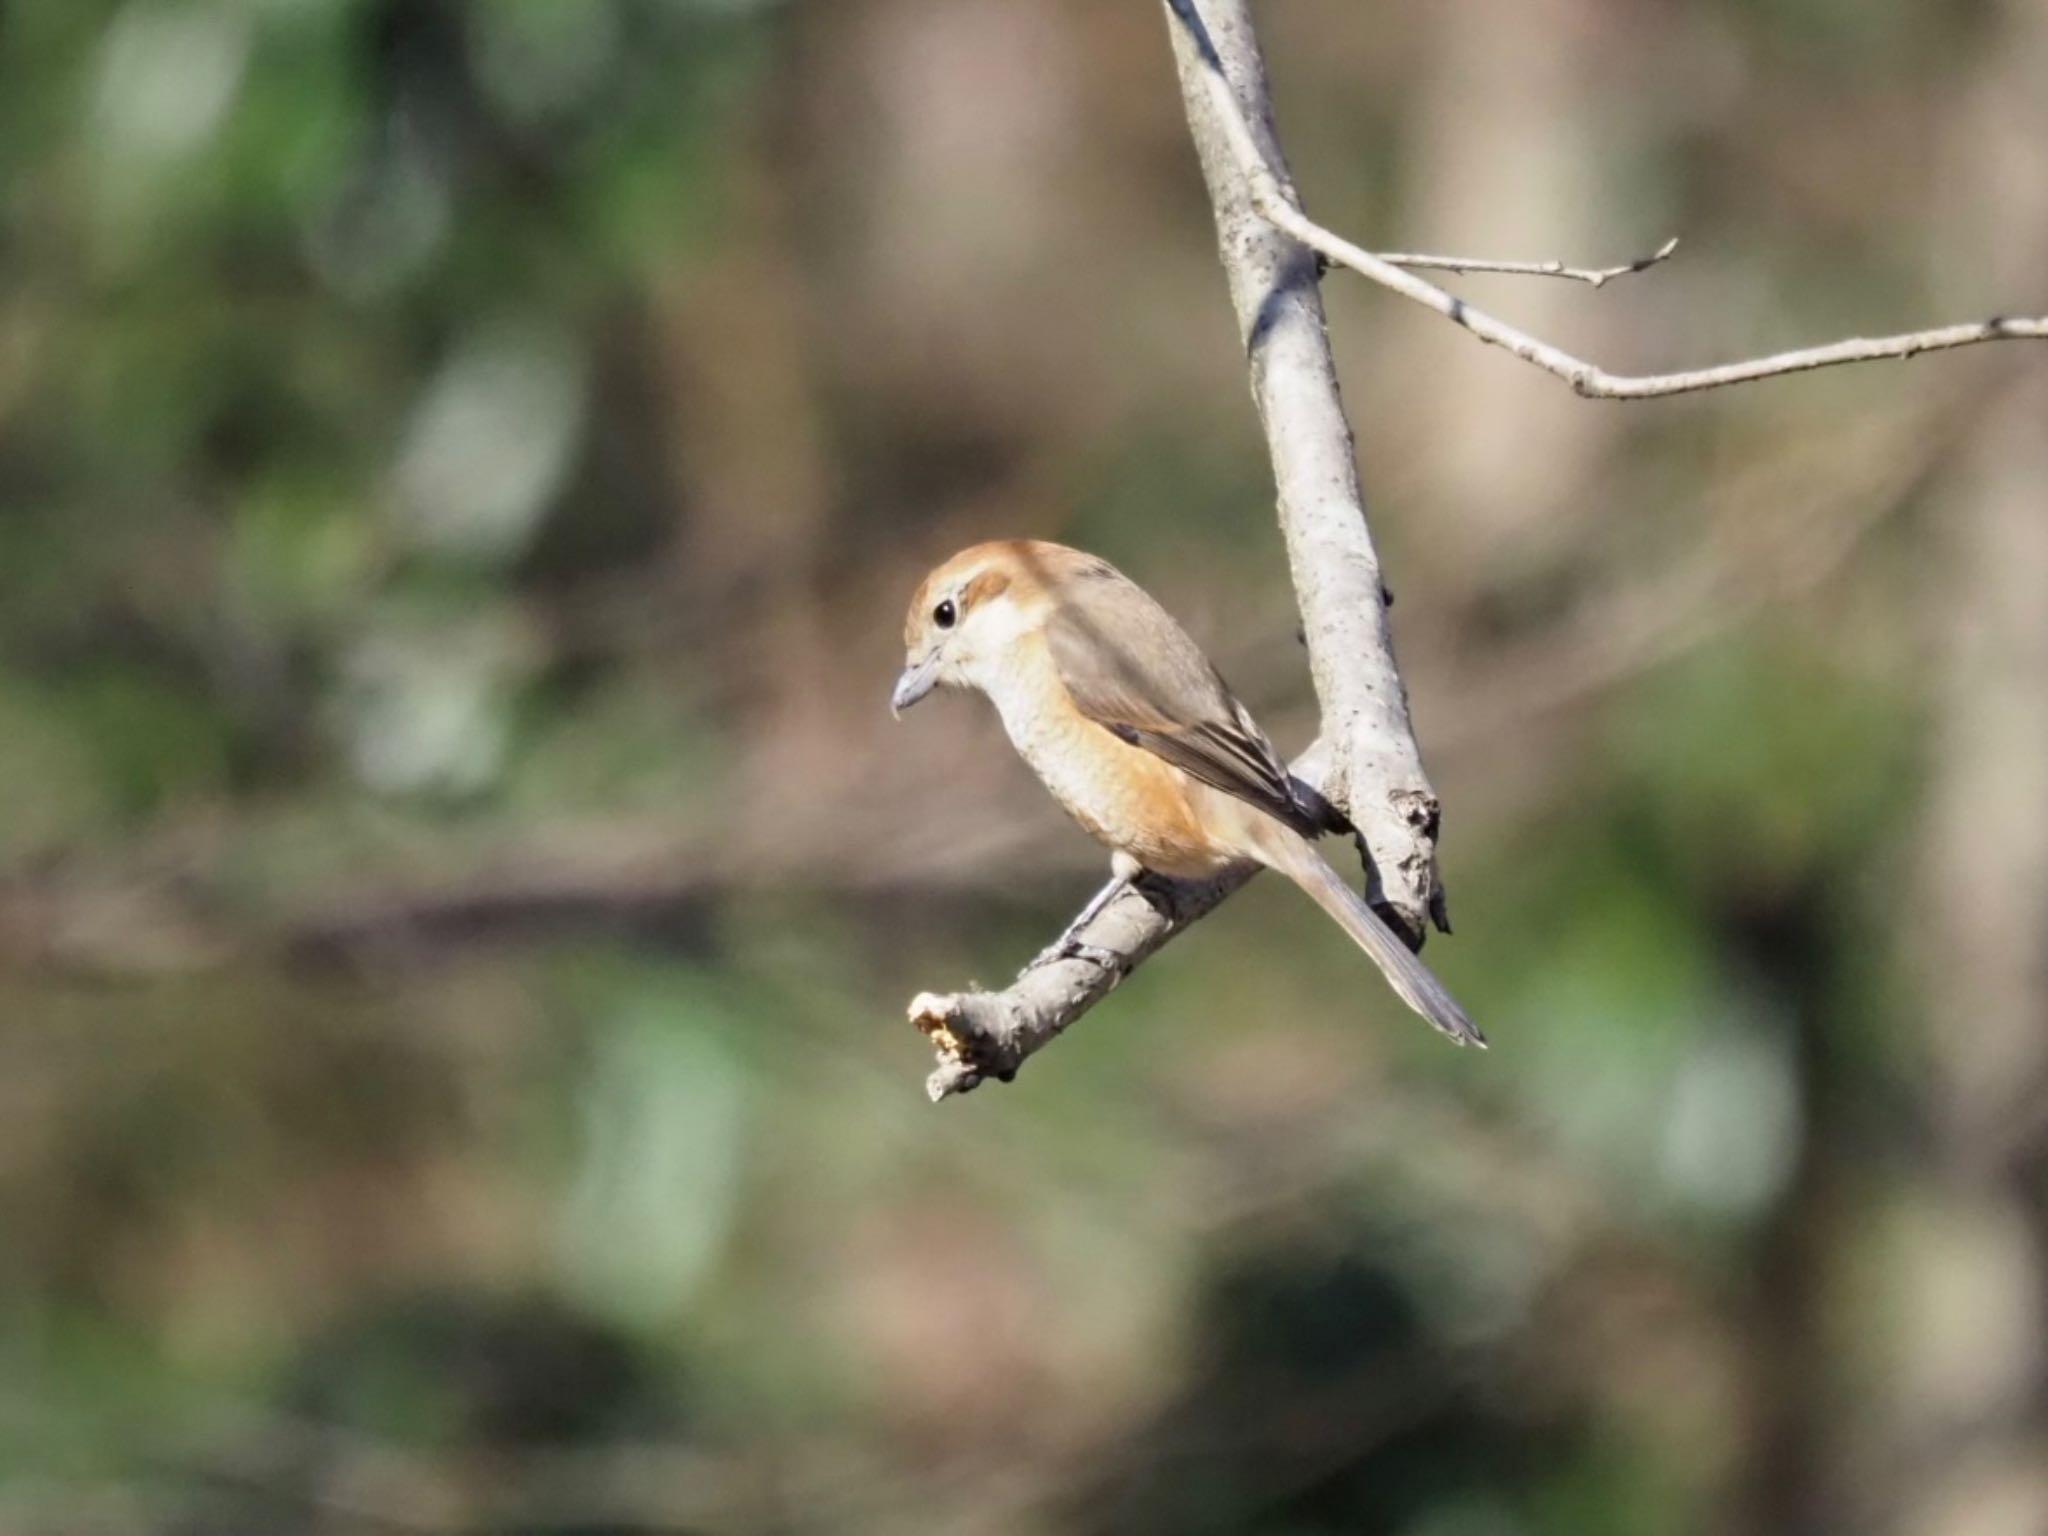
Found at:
(1132, 669)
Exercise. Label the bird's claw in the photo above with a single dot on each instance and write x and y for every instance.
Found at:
(1074, 949)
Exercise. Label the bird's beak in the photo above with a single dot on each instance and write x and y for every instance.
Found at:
(918, 679)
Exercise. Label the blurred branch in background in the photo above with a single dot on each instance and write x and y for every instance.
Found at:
(1771, 532)
(1969, 1246)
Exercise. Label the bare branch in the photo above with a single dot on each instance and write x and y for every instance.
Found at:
(1375, 775)
(1267, 191)
(980, 1035)
(1595, 277)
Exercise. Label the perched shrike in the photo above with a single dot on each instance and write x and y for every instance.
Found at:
(1136, 734)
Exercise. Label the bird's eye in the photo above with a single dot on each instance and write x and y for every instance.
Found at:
(945, 614)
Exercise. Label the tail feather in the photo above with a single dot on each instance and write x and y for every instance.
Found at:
(1404, 970)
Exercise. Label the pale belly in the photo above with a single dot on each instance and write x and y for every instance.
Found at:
(1122, 795)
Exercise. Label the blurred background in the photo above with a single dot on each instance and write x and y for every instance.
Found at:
(461, 466)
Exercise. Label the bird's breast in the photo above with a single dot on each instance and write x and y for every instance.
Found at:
(1123, 795)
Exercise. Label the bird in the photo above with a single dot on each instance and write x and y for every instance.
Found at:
(1137, 736)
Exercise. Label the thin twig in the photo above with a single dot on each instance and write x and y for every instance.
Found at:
(1595, 277)
(1275, 203)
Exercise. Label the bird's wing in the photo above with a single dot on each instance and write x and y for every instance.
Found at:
(1133, 670)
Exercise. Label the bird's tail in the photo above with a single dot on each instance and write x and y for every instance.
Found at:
(1404, 971)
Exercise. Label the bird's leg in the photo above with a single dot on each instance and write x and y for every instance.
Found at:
(1068, 945)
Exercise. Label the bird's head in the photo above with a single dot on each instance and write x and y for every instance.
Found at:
(968, 615)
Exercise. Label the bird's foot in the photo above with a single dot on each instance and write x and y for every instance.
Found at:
(1068, 948)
